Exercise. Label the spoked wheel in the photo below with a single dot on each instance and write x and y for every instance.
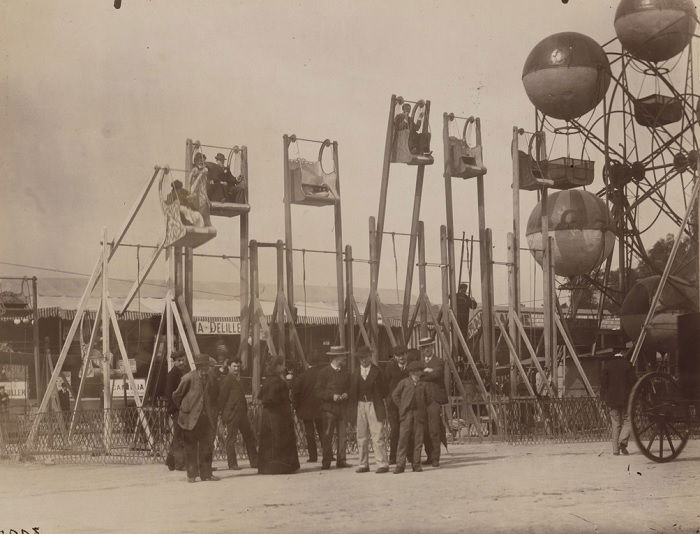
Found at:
(659, 417)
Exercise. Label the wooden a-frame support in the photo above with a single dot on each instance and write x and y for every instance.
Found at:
(108, 317)
(99, 272)
(282, 315)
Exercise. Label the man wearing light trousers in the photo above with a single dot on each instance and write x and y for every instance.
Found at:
(367, 392)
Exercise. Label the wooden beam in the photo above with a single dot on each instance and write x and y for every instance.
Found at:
(572, 351)
(141, 278)
(533, 355)
(514, 355)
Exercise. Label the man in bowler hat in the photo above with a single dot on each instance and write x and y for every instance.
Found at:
(197, 412)
(332, 389)
(367, 392)
(434, 377)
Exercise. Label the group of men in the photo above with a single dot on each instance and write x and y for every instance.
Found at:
(196, 401)
(407, 395)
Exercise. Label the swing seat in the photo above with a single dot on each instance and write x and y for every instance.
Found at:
(228, 209)
(465, 161)
(412, 149)
(311, 185)
(532, 173)
(195, 236)
(177, 233)
(567, 173)
(657, 110)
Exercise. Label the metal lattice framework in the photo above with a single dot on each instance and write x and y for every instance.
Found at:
(649, 160)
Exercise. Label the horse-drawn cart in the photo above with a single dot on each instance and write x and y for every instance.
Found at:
(663, 409)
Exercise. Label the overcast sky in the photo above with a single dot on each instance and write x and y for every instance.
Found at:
(93, 98)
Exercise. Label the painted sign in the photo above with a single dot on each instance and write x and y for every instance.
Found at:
(16, 389)
(118, 385)
(221, 328)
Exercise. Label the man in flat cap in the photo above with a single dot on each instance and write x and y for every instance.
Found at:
(434, 377)
(193, 398)
(396, 371)
(367, 392)
(332, 389)
(411, 396)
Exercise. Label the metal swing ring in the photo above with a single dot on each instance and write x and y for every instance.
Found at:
(568, 129)
(233, 151)
(418, 105)
(658, 71)
(326, 142)
(470, 120)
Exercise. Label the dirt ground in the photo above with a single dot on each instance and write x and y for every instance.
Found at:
(487, 487)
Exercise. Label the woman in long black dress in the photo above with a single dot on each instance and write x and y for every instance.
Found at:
(277, 453)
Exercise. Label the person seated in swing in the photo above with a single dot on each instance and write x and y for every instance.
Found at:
(409, 145)
(217, 178)
(189, 212)
(222, 185)
(403, 126)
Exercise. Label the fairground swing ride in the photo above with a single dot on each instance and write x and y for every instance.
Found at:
(631, 104)
(187, 209)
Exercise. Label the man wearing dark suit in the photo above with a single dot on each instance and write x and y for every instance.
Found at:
(332, 388)
(395, 371)
(434, 377)
(616, 383)
(196, 402)
(176, 455)
(411, 396)
(367, 392)
(307, 407)
(234, 414)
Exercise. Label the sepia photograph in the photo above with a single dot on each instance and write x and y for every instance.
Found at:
(254, 253)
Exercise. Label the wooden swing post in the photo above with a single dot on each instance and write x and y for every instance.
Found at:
(282, 334)
(106, 355)
(244, 268)
(514, 259)
(288, 224)
(349, 309)
(373, 275)
(255, 295)
(339, 280)
(411, 261)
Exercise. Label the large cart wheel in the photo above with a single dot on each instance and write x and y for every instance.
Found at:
(659, 416)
